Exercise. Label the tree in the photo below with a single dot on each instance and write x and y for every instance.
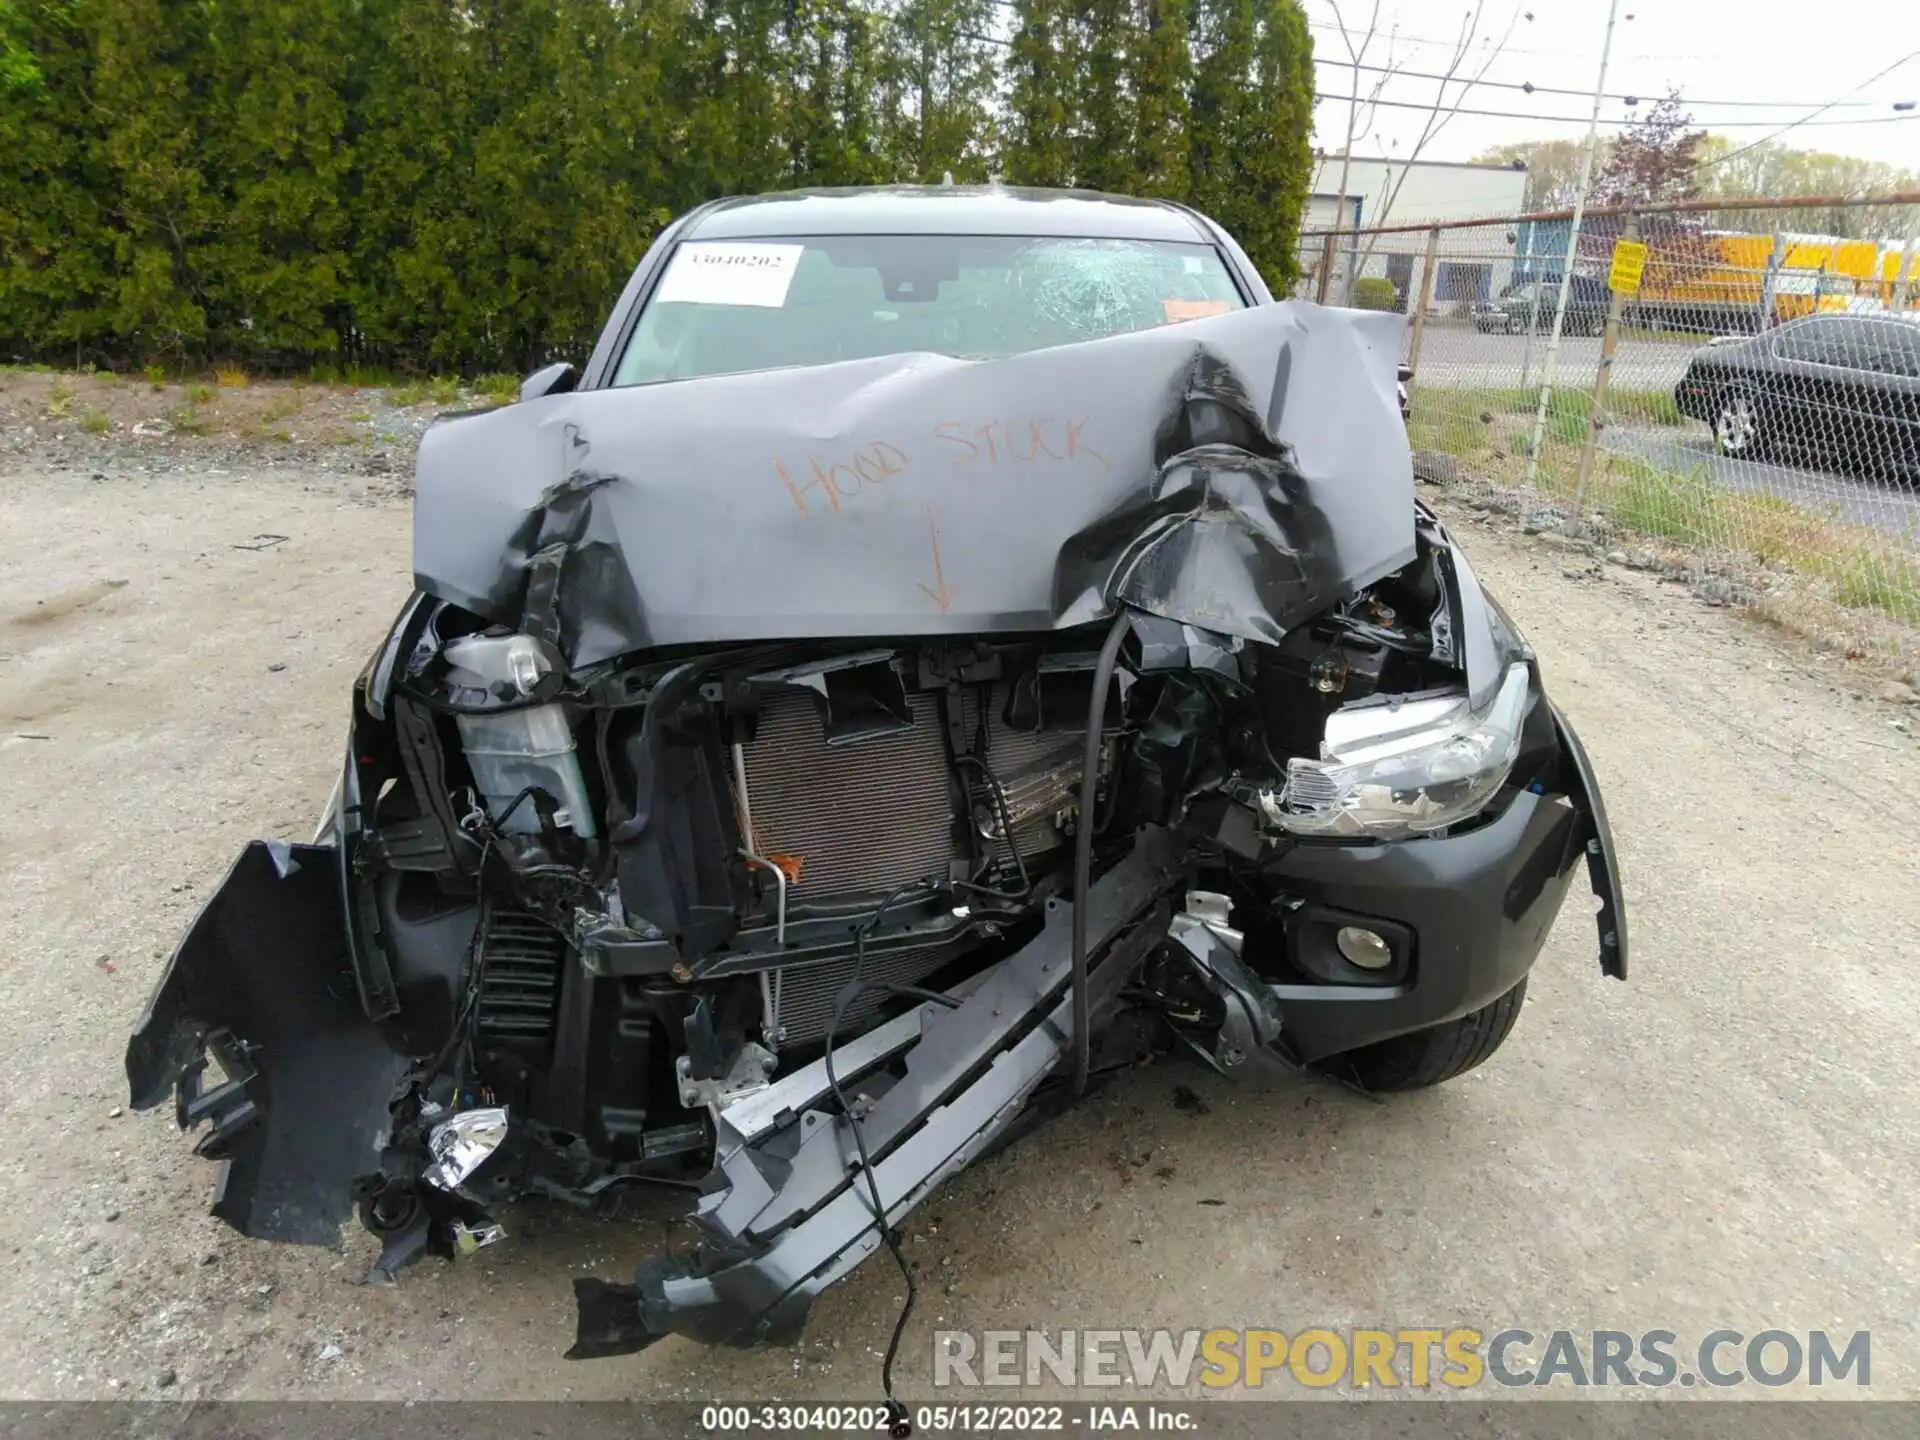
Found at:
(945, 69)
(1269, 176)
(18, 71)
(415, 105)
(1552, 166)
(1160, 71)
(1222, 123)
(467, 183)
(1103, 129)
(1044, 91)
(150, 59)
(276, 269)
(1735, 171)
(1655, 159)
(831, 84)
(58, 279)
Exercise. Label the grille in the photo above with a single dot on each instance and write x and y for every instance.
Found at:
(520, 986)
(807, 995)
(871, 815)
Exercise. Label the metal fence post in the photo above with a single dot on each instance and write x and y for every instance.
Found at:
(1326, 271)
(1905, 272)
(1770, 284)
(1427, 267)
(1602, 378)
(1533, 325)
(1573, 253)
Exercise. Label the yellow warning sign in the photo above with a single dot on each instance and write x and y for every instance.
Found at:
(1629, 259)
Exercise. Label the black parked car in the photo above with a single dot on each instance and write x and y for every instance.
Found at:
(1535, 301)
(1838, 389)
(903, 680)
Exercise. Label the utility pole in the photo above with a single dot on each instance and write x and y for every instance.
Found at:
(1573, 242)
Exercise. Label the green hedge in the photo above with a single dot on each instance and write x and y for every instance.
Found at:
(427, 185)
(1373, 292)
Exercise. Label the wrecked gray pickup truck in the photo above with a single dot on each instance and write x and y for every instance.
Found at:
(906, 682)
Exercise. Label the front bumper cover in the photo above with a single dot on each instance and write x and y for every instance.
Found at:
(263, 984)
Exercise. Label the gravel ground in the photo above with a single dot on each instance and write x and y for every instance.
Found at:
(1730, 1139)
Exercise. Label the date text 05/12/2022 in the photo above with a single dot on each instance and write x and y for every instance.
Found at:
(960, 1419)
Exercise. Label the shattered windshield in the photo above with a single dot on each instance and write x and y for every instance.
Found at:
(723, 307)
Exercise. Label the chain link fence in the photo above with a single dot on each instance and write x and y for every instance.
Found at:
(1728, 395)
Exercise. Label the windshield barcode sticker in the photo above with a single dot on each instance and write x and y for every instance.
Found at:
(719, 272)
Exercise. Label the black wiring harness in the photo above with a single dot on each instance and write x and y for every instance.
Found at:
(898, 1424)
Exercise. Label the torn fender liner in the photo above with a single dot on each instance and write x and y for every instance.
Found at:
(1238, 473)
(787, 1211)
(263, 982)
(1603, 864)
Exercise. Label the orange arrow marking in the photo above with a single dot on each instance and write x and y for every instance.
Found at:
(941, 594)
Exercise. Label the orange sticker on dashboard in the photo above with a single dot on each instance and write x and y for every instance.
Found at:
(1194, 309)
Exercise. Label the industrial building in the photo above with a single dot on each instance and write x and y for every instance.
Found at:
(1472, 264)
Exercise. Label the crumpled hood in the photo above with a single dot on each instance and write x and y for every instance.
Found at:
(1239, 473)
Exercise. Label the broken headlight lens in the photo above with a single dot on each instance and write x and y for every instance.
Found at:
(1388, 771)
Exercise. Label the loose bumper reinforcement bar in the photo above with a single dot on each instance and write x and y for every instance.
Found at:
(787, 1213)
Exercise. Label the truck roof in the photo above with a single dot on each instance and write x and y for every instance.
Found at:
(946, 210)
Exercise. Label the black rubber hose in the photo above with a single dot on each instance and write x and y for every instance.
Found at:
(1083, 849)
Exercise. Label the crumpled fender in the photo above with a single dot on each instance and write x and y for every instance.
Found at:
(263, 984)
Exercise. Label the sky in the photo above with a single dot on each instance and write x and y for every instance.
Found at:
(1786, 60)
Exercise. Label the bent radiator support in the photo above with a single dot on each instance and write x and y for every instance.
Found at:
(791, 1213)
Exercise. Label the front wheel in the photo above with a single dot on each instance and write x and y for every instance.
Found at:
(1437, 1054)
(1736, 426)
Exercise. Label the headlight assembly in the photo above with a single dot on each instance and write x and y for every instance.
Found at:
(1391, 770)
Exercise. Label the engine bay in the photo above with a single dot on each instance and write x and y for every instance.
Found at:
(610, 903)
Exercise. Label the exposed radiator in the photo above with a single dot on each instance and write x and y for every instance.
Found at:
(807, 995)
(866, 816)
(874, 814)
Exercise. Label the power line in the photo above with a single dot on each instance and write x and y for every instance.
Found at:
(1530, 88)
(1402, 36)
(1625, 120)
(1809, 117)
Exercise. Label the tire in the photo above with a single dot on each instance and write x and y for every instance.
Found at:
(1737, 430)
(1433, 1056)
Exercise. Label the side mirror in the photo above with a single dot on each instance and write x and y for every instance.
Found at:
(555, 379)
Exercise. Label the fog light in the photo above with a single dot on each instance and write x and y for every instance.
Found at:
(1363, 947)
